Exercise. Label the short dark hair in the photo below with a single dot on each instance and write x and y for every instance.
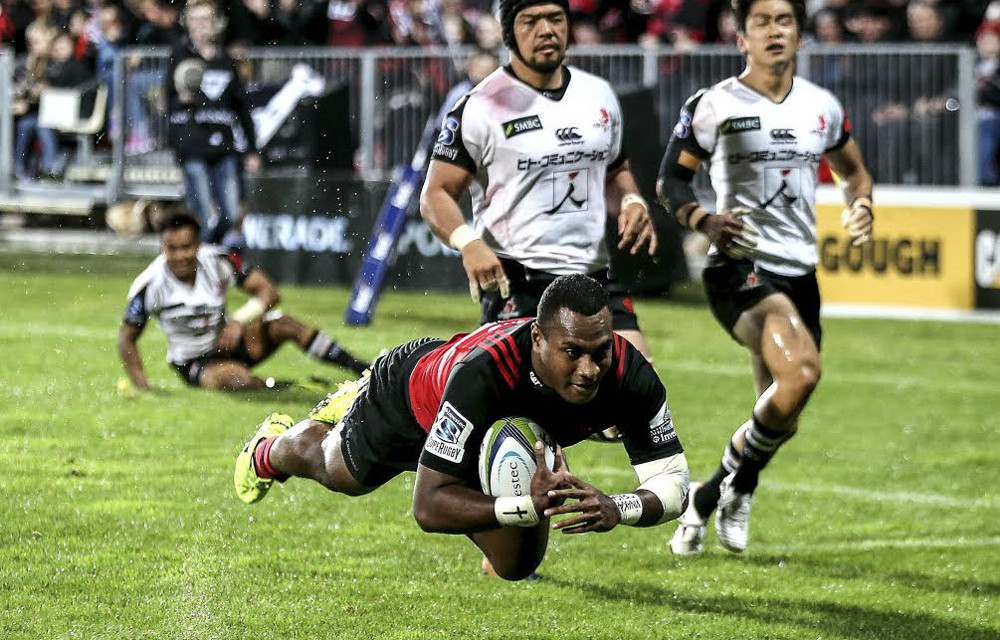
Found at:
(179, 220)
(578, 293)
(742, 10)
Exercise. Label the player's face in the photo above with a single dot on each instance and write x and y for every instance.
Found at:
(574, 354)
(180, 248)
(771, 35)
(541, 33)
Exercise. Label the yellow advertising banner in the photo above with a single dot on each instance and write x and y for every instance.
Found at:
(919, 257)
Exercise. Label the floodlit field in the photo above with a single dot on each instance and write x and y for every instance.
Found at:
(119, 520)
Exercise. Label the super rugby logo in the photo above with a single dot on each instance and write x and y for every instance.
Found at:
(516, 127)
(448, 434)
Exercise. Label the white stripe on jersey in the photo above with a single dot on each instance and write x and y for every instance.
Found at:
(191, 317)
(538, 196)
(764, 156)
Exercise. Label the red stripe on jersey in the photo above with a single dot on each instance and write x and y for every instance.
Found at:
(431, 373)
(619, 352)
(491, 348)
(505, 348)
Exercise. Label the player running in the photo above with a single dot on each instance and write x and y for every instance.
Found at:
(426, 407)
(538, 145)
(185, 290)
(762, 134)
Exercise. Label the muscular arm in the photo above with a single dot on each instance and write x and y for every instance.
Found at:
(848, 164)
(261, 287)
(128, 351)
(439, 208)
(444, 504)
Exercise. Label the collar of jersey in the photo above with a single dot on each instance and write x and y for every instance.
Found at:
(552, 94)
(758, 93)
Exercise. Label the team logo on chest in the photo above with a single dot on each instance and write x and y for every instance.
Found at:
(518, 126)
(603, 119)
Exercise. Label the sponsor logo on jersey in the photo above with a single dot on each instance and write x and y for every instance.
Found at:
(448, 434)
(569, 191)
(661, 427)
(739, 125)
(783, 136)
(526, 124)
(569, 135)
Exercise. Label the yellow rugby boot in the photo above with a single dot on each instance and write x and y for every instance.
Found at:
(249, 486)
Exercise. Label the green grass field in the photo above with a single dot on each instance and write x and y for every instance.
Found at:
(881, 520)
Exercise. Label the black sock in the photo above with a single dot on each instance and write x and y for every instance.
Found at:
(323, 347)
(761, 445)
(706, 498)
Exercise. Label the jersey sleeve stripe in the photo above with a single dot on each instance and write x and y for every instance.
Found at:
(502, 351)
(510, 347)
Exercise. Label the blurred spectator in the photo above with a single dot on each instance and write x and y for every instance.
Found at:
(113, 36)
(828, 70)
(677, 22)
(727, 29)
(61, 12)
(293, 23)
(585, 31)
(209, 121)
(83, 48)
(456, 29)
(827, 27)
(27, 92)
(870, 22)
(488, 33)
(64, 69)
(988, 100)
(924, 21)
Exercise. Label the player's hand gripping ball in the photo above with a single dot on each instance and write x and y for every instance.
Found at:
(507, 457)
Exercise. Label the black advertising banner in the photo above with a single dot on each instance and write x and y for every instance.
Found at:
(309, 230)
(987, 259)
(313, 230)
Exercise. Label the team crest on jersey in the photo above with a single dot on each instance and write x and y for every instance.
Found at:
(526, 124)
(820, 129)
(739, 125)
(603, 120)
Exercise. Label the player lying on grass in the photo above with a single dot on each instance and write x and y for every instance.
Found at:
(185, 290)
(427, 403)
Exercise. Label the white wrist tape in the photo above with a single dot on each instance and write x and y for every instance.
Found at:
(515, 512)
(250, 312)
(462, 236)
(630, 506)
(668, 480)
(634, 198)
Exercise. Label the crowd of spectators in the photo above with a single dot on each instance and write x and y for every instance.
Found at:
(93, 31)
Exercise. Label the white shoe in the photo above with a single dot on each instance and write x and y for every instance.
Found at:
(690, 532)
(732, 518)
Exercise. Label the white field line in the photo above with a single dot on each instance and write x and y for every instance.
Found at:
(870, 544)
(666, 366)
(888, 497)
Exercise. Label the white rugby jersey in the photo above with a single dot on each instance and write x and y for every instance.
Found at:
(764, 155)
(191, 317)
(540, 159)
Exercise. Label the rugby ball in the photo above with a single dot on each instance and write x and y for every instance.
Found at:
(507, 457)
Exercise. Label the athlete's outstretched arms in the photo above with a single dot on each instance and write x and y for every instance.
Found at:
(443, 503)
(439, 208)
(859, 217)
(661, 497)
(635, 224)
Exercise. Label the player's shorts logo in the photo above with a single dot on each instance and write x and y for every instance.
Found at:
(516, 127)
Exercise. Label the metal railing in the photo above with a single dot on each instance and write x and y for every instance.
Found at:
(912, 107)
(6, 120)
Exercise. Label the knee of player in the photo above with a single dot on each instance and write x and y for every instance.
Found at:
(807, 375)
(517, 570)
